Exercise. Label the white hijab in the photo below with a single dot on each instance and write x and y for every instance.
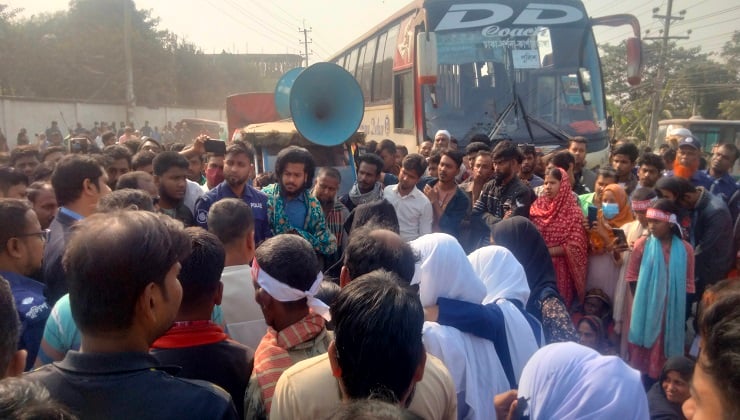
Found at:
(505, 281)
(444, 271)
(571, 381)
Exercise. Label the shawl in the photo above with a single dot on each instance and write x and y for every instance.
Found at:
(660, 290)
(623, 217)
(358, 198)
(506, 284)
(522, 238)
(560, 221)
(314, 229)
(271, 358)
(571, 381)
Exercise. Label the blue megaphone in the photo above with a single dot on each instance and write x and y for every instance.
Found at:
(282, 91)
(326, 103)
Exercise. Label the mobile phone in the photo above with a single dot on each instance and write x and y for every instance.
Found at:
(592, 212)
(215, 146)
(619, 233)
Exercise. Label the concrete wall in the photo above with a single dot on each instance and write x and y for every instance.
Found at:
(36, 115)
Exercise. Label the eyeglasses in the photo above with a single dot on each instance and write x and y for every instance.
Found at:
(44, 235)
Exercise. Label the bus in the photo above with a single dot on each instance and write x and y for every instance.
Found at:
(508, 69)
(710, 132)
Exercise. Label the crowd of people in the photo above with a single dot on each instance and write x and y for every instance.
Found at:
(150, 279)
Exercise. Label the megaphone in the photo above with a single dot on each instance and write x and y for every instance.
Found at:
(282, 91)
(325, 102)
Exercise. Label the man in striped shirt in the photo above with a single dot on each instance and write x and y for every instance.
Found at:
(325, 190)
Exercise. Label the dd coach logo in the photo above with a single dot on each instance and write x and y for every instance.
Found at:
(534, 14)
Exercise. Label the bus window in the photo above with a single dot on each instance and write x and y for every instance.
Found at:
(360, 60)
(382, 77)
(404, 101)
(351, 63)
(365, 69)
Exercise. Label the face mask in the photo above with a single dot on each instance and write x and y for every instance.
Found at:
(610, 210)
(214, 176)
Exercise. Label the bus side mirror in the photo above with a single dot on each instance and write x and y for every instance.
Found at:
(634, 61)
(584, 82)
(426, 50)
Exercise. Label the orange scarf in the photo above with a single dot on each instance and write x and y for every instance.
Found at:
(623, 217)
(271, 358)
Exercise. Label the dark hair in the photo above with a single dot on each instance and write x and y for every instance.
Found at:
(377, 335)
(378, 213)
(295, 154)
(387, 145)
(651, 159)
(25, 151)
(22, 398)
(507, 150)
(125, 199)
(455, 155)
(10, 177)
(239, 148)
(403, 149)
(42, 172)
(13, 214)
(200, 275)
(10, 326)
(264, 179)
(133, 145)
(230, 219)
(371, 146)
(165, 161)
(274, 253)
(371, 159)
(577, 139)
(555, 173)
(132, 180)
(70, 174)
(642, 194)
(435, 157)
(730, 147)
(627, 149)
(35, 189)
(668, 206)
(368, 251)
(110, 260)
(52, 149)
(176, 147)
(669, 155)
(476, 147)
(526, 149)
(720, 352)
(141, 159)
(676, 185)
(372, 408)
(606, 173)
(331, 172)
(115, 152)
(414, 162)
(328, 292)
(563, 160)
(107, 136)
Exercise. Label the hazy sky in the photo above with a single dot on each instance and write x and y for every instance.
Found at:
(272, 26)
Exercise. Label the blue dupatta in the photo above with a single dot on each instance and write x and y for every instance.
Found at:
(660, 291)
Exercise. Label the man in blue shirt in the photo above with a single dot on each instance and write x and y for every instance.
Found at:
(238, 167)
(723, 185)
(21, 249)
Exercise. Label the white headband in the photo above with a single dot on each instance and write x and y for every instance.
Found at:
(444, 133)
(284, 293)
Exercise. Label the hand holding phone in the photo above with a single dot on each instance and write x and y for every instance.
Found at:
(592, 214)
(619, 234)
(215, 146)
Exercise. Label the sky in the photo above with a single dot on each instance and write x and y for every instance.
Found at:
(272, 26)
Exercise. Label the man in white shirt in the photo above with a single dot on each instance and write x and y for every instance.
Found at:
(232, 221)
(413, 208)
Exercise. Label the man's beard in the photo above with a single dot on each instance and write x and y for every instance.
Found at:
(684, 171)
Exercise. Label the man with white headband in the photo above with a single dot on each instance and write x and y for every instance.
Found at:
(286, 277)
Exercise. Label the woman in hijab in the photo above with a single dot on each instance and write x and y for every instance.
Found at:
(666, 396)
(571, 381)
(522, 238)
(560, 221)
(605, 257)
(444, 273)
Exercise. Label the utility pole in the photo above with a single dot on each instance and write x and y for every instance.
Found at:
(660, 79)
(130, 99)
(305, 41)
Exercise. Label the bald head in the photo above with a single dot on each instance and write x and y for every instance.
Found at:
(372, 249)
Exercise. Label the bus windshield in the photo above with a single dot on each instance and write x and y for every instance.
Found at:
(529, 84)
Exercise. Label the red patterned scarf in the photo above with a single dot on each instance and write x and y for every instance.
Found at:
(560, 221)
(271, 358)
